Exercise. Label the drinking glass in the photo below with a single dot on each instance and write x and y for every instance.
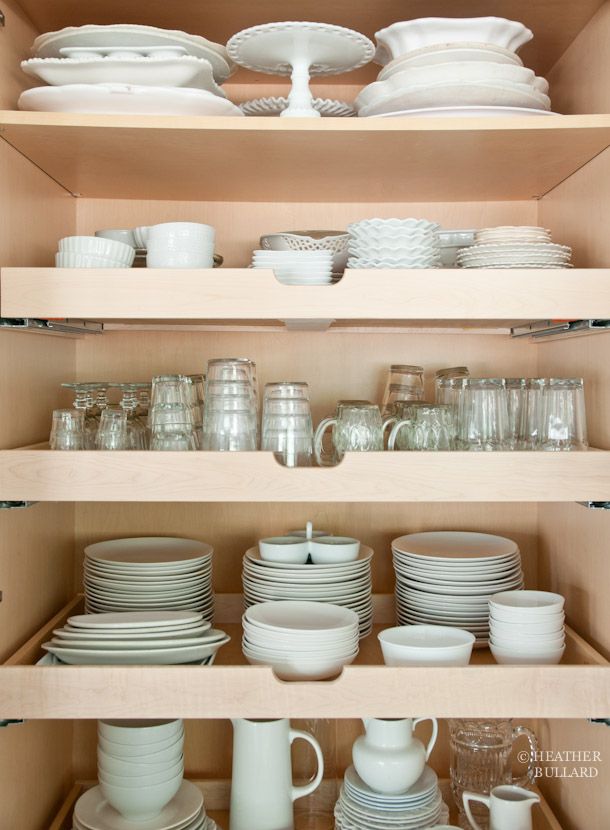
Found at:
(564, 425)
(442, 383)
(404, 383)
(531, 415)
(85, 402)
(356, 427)
(112, 432)
(229, 426)
(516, 395)
(481, 759)
(67, 430)
(423, 426)
(448, 391)
(286, 389)
(483, 415)
(288, 430)
(137, 431)
(175, 441)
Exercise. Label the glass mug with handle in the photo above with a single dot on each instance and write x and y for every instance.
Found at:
(422, 426)
(356, 427)
(481, 758)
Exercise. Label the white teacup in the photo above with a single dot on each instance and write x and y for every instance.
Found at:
(328, 550)
(287, 549)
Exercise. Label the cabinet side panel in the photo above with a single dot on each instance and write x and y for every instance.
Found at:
(16, 38)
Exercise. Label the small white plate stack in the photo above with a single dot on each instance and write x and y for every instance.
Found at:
(527, 627)
(149, 573)
(361, 808)
(514, 247)
(136, 638)
(447, 578)
(300, 640)
(297, 267)
(394, 243)
(348, 584)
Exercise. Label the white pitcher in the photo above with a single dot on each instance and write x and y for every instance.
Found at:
(262, 793)
(388, 757)
(510, 808)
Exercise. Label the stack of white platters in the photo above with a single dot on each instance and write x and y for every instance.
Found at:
(453, 66)
(128, 69)
(300, 640)
(149, 573)
(347, 584)
(394, 243)
(297, 267)
(514, 247)
(447, 578)
(361, 808)
(136, 638)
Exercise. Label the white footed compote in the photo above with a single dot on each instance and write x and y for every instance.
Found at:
(301, 50)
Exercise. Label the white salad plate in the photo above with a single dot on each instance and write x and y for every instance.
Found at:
(93, 812)
(439, 546)
(137, 657)
(327, 107)
(160, 551)
(183, 71)
(135, 620)
(68, 640)
(119, 35)
(83, 635)
(465, 112)
(117, 99)
(451, 53)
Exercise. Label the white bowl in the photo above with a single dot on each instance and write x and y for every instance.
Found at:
(288, 549)
(139, 732)
(328, 550)
(144, 757)
(297, 669)
(98, 247)
(516, 657)
(426, 645)
(146, 779)
(309, 617)
(181, 230)
(407, 36)
(179, 259)
(135, 767)
(553, 625)
(333, 241)
(124, 235)
(140, 750)
(142, 803)
(526, 604)
(66, 259)
(140, 234)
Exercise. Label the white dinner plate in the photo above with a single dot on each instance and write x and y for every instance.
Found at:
(141, 645)
(140, 657)
(84, 635)
(435, 546)
(144, 550)
(135, 619)
(468, 112)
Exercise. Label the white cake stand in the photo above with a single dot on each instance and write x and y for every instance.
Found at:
(300, 50)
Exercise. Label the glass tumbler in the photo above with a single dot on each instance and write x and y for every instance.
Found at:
(288, 430)
(67, 430)
(423, 426)
(564, 425)
(516, 395)
(356, 427)
(531, 415)
(230, 425)
(483, 415)
(481, 759)
(442, 383)
(403, 383)
(85, 402)
(112, 432)
(137, 431)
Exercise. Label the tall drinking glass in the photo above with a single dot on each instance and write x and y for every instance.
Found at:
(564, 425)
(443, 386)
(483, 415)
(516, 394)
(288, 430)
(532, 414)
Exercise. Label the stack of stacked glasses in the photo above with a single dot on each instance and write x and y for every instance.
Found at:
(287, 423)
(171, 417)
(403, 383)
(230, 411)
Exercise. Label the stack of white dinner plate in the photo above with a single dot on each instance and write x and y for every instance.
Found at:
(300, 640)
(361, 808)
(297, 267)
(454, 66)
(136, 638)
(347, 584)
(527, 627)
(149, 573)
(514, 247)
(447, 578)
(128, 69)
(394, 243)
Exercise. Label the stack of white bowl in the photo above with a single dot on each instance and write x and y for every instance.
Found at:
(93, 252)
(527, 627)
(394, 243)
(300, 640)
(149, 573)
(180, 245)
(454, 66)
(333, 241)
(140, 770)
(297, 267)
(514, 247)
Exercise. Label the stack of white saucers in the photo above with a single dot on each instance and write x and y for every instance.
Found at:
(300, 640)
(447, 577)
(150, 573)
(297, 267)
(453, 66)
(361, 808)
(394, 243)
(136, 638)
(527, 627)
(514, 247)
(347, 584)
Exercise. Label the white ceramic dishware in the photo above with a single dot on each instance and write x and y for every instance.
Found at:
(527, 627)
(124, 235)
(327, 107)
(139, 732)
(311, 240)
(426, 645)
(98, 247)
(510, 807)
(287, 549)
(71, 260)
(330, 550)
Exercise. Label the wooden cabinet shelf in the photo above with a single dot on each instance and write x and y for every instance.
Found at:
(579, 687)
(400, 297)
(44, 475)
(323, 160)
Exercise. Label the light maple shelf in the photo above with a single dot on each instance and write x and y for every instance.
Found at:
(401, 297)
(40, 474)
(321, 160)
(579, 687)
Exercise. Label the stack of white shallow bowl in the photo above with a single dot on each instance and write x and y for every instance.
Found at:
(454, 66)
(527, 627)
(93, 252)
(394, 243)
(300, 640)
(149, 573)
(333, 241)
(347, 584)
(447, 578)
(514, 247)
(128, 69)
(361, 808)
(297, 267)
(136, 638)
